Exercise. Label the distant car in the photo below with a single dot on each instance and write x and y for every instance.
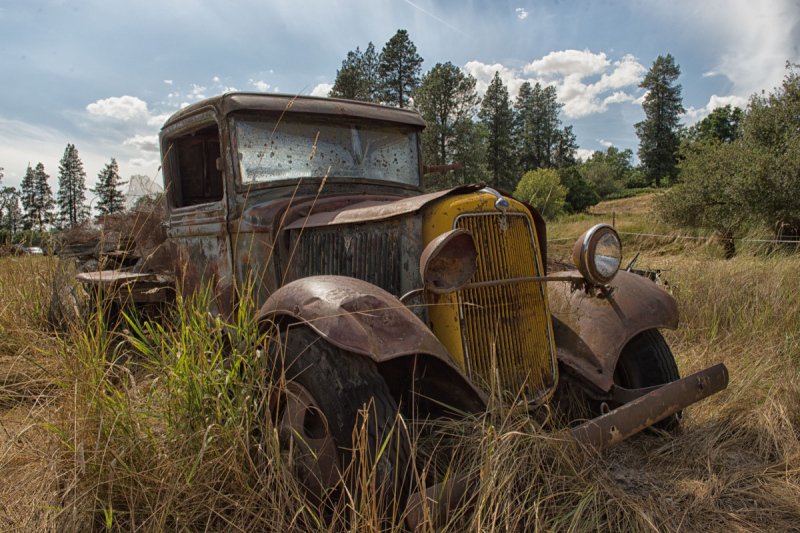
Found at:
(33, 250)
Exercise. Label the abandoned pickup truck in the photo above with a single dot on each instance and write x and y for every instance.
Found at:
(390, 296)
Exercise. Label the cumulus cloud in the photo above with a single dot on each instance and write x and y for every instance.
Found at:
(694, 115)
(124, 108)
(146, 143)
(569, 62)
(521, 13)
(168, 82)
(607, 144)
(322, 89)
(585, 82)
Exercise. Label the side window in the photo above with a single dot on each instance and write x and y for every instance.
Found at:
(194, 169)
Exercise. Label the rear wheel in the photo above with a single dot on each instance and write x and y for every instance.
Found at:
(647, 361)
(336, 418)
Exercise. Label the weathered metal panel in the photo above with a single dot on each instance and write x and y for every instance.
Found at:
(590, 331)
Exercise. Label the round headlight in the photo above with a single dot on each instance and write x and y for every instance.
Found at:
(598, 254)
(448, 262)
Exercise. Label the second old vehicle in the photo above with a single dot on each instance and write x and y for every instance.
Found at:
(390, 297)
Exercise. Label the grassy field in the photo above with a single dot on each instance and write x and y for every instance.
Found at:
(153, 428)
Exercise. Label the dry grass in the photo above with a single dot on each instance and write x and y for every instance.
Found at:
(154, 430)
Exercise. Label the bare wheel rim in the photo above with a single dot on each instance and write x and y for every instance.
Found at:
(306, 440)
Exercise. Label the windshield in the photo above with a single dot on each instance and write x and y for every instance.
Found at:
(291, 148)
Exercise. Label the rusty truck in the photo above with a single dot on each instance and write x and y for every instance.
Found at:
(388, 295)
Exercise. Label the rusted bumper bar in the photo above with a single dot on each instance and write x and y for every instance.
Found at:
(612, 428)
(435, 504)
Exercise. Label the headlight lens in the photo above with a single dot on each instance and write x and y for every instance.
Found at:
(598, 254)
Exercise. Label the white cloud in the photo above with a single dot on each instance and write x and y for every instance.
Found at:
(521, 13)
(618, 98)
(322, 89)
(607, 144)
(198, 92)
(215, 79)
(146, 143)
(484, 73)
(711, 74)
(584, 153)
(694, 115)
(168, 82)
(569, 62)
(755, 38)
(260, 85)
(585, 82)
(143, 163)
(124, 108)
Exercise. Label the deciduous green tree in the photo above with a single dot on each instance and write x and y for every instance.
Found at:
(110, 198)
(71, 196)
(581, 194)
(608, 171)
(755, 179)
(658, 132)
(722, 124)
(542, 189)
(400, 67)
(498, 117)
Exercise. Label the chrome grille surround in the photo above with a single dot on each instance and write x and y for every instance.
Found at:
(506, 329)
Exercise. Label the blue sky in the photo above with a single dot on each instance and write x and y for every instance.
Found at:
(104, 75)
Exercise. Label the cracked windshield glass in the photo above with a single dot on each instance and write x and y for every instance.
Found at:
(272, 150)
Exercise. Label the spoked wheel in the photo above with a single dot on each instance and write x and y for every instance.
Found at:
(336, 421)
(306, 442)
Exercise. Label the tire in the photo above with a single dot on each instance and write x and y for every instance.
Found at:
(647, 361)
(328, 392)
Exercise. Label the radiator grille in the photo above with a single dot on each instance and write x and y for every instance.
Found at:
(368, 253)
(506, 329)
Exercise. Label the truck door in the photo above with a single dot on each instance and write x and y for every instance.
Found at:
(197, 224)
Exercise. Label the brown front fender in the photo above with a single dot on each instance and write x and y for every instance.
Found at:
(361, 318)
(591, 331)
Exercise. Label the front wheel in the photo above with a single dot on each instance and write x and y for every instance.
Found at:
(336, 418)
(647, 361)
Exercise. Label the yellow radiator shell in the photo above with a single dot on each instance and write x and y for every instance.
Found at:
(516, 317)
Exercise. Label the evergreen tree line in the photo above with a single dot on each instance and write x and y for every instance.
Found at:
(34, 207)
(515, 142)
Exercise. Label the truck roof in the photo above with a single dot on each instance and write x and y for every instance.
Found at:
(279, 103)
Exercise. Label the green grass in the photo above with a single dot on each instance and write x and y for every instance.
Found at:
(165, 428)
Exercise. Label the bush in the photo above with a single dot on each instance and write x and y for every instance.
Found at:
(542, 189)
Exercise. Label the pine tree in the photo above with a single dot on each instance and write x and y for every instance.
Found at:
(658, 132)
(43, 204)
(447, 100)
(350, 82)
(110, 198)
(566, 148)
(537, 128)
(10, 213)
(28, 198)
(497, 115)
(399, 69)
(71, 196)
(370, 68)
